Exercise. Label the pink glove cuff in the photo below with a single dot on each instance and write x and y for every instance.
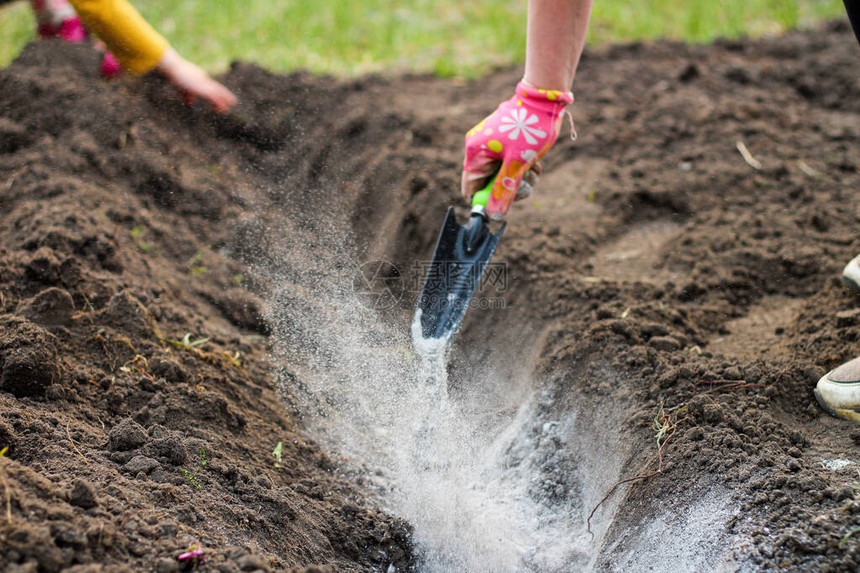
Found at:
(517, 134)
(525, 90)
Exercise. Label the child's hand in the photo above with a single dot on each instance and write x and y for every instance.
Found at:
(193, 82)
(510, 142)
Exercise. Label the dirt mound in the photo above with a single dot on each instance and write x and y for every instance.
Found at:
(138, 402)
(667, 304)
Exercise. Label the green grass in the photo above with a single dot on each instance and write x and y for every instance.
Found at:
(448, 37)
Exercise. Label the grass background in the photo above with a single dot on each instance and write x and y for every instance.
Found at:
(448, 37)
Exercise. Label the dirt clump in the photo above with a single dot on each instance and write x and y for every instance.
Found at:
(138, 404)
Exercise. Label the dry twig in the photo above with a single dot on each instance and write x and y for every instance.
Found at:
(806, 168)
(727, 385)
(748, 157)
(74, 447)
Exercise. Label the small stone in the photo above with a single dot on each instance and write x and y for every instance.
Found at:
(128, 314)
(733, 373)
(171, 449)
(666, 343)
(604, 313)
(651, 329)
(689, 73)
(44, 266)
(157, 432)
(28, 357)
(139, 464)
(792, 464)
(51, 307)
(250, 563)
(169, 369)
(166, 566)
(8, 436)
(127, 435)
(712, 413)
(697, 434)
(802, 542)
(738, 75)
(13, 136)
(120, 458)
(798, 440)
(848, 317)
(623, 328)
(83, 495)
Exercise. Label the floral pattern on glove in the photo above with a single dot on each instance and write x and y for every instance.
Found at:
(516, 135)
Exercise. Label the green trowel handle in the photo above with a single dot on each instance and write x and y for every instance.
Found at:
(482, 197)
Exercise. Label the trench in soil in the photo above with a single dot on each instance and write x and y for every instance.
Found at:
(476, 452)
(544, 408)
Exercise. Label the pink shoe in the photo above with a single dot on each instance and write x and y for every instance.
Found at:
(70, 30)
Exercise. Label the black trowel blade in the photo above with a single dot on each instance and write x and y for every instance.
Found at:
(453, 276)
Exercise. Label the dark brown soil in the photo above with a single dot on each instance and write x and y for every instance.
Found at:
(655, 276)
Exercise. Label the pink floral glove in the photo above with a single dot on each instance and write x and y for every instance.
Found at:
(516, 136)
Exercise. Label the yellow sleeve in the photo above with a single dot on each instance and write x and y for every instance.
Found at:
(132, 40)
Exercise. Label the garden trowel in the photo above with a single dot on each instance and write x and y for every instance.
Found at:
(459, 261)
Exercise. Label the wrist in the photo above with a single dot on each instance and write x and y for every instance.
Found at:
(168, 62)
(537, 82)
(536, 95)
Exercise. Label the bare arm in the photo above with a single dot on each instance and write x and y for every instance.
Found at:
(140, 49)
(555, 39)
(495, 147)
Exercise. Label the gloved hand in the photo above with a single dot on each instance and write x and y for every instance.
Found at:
(514, 136)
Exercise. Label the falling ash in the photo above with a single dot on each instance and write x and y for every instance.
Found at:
(465, 472)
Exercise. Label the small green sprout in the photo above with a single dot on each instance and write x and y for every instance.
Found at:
(137, 235)
(191, 478)
(6, 490)
(278, 453)
(847, 536)
(186, 343)
(196, 266)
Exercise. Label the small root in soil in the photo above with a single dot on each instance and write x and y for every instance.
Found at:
(7, 492)
(665, 426)
(74, 447)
